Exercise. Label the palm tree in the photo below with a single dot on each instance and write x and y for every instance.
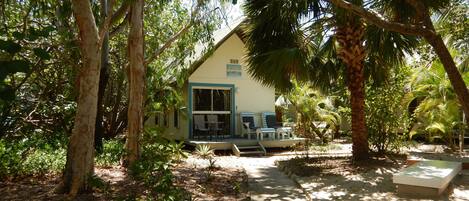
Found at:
(303, 39)
(416, 18)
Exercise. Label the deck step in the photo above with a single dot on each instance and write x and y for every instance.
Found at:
(248, 147)
(251, 152)
(239, 150)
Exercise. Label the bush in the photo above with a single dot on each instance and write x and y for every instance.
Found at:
(153, 168)
(41, 161)
(111, 154)
(10, 159)
(386, 116)
(20, 158)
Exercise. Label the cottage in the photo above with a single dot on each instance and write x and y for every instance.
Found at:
(218, 90)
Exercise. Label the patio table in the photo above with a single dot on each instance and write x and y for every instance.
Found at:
(260, 133)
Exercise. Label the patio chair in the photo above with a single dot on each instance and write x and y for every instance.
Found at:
(214, 124)
(269, 120)
(249, 127)
(199, 125)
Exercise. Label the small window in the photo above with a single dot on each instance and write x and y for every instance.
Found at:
(176, 118)
(165, 119)
(233, 70)
(157, 119)
(234, 61)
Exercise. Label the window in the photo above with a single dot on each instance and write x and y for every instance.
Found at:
(176, 118)
(211, 112)
(157, 119)
(233, 69)
(212, 100)
(165, 119)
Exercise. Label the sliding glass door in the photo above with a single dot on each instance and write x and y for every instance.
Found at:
(211, 112)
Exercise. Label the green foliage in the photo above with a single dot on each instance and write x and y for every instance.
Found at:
(20, 158)
(438, 112)
(316, 113)
(154, 166)
(112, 152)
(386, 115)
(207, 153)
(42, 161)
(204, 151)
(453, 23)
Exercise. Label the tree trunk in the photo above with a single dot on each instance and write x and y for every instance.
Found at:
(136, 83)
(352, 53)
(452, 71)
(428, 32)
(80, 151)
(103, 79)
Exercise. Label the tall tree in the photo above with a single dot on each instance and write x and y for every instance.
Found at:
(413, 17)
(103, 78)
(349, 33)
(285, 40)
(136, 83)
(80, 153)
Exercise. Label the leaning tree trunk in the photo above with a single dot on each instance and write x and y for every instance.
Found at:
(352, 53)
(80, 164)
(136, 83)
(428, 32)
(103, 79)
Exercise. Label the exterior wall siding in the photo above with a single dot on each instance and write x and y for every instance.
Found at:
(250, 95)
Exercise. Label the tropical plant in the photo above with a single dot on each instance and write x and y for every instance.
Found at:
(386, 115)
(303, 48)
(415, 18)
(316, 116)
(438, 112)
(154, 167)
(207, 153)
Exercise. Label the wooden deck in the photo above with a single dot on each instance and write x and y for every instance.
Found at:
(227, 144)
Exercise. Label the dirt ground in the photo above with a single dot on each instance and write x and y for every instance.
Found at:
(223, 184)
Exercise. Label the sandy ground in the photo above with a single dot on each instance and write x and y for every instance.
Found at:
(338, 179)
(341, 180)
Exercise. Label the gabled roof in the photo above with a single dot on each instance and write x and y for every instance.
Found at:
(220, 36)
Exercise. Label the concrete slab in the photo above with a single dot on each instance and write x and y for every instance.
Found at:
(426, 177)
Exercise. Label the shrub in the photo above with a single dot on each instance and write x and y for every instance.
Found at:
(20, 158)
(111, 154)
(153, 168)
(207, 153)
(41, 161)
(386, 116)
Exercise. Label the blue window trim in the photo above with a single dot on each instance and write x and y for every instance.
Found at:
(233, 105)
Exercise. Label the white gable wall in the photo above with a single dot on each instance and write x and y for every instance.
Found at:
(250, 95)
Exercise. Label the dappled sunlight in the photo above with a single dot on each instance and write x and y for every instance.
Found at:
(342, 180)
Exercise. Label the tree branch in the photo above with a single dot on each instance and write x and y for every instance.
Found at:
(409, 29)
(121, 27)
(168, 43)
(120, 12)
(174, 37)
(105, 25)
